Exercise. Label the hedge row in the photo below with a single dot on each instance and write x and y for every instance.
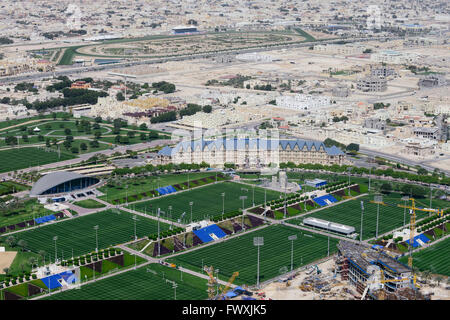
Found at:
(166, 233)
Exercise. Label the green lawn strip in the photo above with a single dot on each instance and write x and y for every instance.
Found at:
(21, 262)
(207, 201)
(20, 289)
(26, 210)
(349, 213)
(89, 204)
(239, 254)
(146, 184)
(434, 258)
(145, 283)
(79, 235)
(15, 159)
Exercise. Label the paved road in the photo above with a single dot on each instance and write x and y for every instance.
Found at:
(75, 70)
(403, 160)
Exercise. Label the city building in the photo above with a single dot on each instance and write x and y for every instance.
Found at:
(371, 84)
(427, 133)
(432, 80)
(251, 153)
(374, 123)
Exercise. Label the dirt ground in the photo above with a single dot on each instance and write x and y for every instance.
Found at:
(279, 290)
(6, 259)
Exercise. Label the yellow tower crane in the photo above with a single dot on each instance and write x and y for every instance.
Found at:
(211, 282)
(223, 290)
(412, 226)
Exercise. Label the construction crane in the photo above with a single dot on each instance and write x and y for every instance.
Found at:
(224, 289)
(212, 282)
(412, 225)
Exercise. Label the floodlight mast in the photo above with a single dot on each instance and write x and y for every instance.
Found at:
(292, 239)
(258, 241)
(96, 238)
(362, 214)
(56, 253)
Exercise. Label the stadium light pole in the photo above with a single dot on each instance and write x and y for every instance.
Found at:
(170, 214)
(370, 173)
(126, 193)
(191, 204)
(243, 199)
(96, 238)
(223, 204)
(135, 219)
(56, 252)
(258, 242)
(253, 204)
(159, 245)
(362, 214)
(292, 239)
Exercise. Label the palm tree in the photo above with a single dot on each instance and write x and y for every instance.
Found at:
(32, 261)
(42, 254)
(11, 241)
(22, 244)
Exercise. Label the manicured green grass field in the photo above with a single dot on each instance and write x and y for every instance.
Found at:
(89, 204)
(349, 213)
(79, 234)
(25, 210)
(15, 159)
(145, 283)
(435, 258)
(207, 201)
(145, 184)
(239, 254)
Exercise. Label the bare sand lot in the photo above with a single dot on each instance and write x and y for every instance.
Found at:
(6, 259)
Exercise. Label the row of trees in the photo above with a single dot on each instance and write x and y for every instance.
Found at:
(378, 172)
(160, 168)
(71, 97)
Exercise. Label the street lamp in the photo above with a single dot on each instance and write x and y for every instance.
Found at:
(258, 242)
(292, 239)
(191, 204)
(96, 238)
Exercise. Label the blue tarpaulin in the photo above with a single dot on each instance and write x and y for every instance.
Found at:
(422, 237)
(321, 200)
(51, 282)
(45, 219)
(204, 233)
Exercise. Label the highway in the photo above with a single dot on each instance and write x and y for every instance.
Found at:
(70, 71)
(403, 160)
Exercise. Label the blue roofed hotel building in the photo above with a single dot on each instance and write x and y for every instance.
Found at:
(251, 153)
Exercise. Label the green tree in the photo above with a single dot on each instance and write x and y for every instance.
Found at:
(120, 96)
(83, 146)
